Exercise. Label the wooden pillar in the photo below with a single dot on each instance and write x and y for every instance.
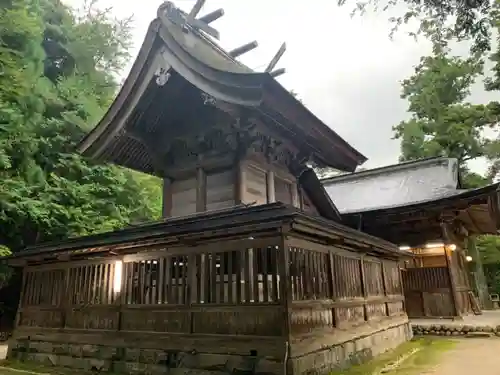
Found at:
(201, 190)
(284, 280)
(448, 238)
(453, 285)
(20, 305)
(295, 195)
(167, 198)
(271, 193)
(239, 181)
(384, 285)
(363, 285)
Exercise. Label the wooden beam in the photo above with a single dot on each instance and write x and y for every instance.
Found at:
(200, 25)
(276, 58)
(212, 16)
(243, 49)
(278, 72)
(195, 10)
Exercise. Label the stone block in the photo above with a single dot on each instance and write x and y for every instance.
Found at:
(479, 334)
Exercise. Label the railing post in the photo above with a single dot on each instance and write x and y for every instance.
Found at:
(284, 272)
(363, 284)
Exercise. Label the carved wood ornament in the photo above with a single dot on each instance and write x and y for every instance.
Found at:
(238, 137)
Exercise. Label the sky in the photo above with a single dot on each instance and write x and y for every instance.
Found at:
(345, 69)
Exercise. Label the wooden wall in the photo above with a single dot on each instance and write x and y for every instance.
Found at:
(427, 292)
(259, 293)
(334, 289)
(435, 286)
(252, 181)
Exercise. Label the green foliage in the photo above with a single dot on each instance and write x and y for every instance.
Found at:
(442, 123)
(489, 250)
(57, 77)
(6, 272)
(441, 21)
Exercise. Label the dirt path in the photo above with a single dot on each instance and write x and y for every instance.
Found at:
(469, 357)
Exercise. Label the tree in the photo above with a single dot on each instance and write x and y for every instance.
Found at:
(442, 123)
(441, 21)
(58, 70)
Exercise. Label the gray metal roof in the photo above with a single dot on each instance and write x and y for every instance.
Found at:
(394, 186)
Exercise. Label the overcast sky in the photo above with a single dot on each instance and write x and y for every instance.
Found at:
(346, 70)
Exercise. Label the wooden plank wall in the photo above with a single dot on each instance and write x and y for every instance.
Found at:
(427, 292)
(220, 190)
(254, 183)
(334, 288)
(183, 197)
(255, 187)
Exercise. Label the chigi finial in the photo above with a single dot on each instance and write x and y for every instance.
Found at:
(274, 61)
(190, 20)
(177, 16)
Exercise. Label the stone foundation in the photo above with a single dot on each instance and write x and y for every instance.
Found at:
(455, 330)
(100, 358)
(356, 351)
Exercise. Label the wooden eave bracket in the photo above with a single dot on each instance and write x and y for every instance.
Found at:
(151, 149)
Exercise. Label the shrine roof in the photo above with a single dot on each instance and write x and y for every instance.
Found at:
(395, 185)
(432, 183)
(186, 53)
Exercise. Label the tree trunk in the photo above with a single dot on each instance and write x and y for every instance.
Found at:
(479, 276)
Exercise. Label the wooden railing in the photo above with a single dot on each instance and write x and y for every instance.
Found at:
(245, 287)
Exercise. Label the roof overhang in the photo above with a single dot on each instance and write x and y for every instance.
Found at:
(198, 228)
(206, 66)
(477, 210)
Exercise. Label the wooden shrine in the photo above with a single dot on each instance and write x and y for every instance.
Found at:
(250, 269)
(421, 207)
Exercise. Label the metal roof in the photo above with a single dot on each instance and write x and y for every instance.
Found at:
(395, 186)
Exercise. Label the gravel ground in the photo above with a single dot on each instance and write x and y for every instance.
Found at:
(470, 356)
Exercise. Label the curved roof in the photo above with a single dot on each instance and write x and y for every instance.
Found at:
(394, 186)
(422, 185)
(199, 61)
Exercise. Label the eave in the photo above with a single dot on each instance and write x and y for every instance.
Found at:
(234, 84)
(187, 231)
(477, 210)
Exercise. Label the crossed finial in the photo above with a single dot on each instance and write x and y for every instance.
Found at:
(189, 20)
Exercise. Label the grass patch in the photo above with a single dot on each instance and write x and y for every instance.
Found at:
(8, 367)
(427, 353)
